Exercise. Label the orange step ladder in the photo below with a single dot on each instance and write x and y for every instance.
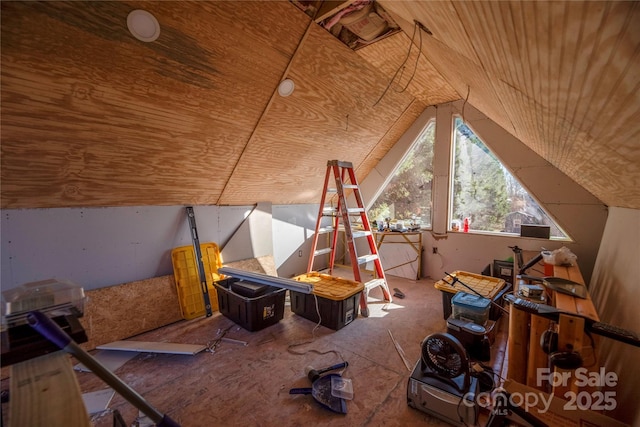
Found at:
(345, 179)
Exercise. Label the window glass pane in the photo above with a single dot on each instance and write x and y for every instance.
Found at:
(485, 192)
(407, 195)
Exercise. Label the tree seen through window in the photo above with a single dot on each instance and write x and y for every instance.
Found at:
(486, 193)
(407, 195)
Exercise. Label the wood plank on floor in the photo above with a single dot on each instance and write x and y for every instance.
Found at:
(217, 389)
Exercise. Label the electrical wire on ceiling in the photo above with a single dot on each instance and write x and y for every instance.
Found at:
(401, 67)
(415, 67)
(464, 103)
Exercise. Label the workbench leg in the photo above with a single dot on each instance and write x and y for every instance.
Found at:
(537, 357)
(517, 345)
(570, 333)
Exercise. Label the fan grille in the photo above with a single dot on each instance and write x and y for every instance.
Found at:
(444, 355)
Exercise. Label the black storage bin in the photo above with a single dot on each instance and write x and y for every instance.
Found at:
(252, 314)
(338, 300)
(250, 289)
(334, 314)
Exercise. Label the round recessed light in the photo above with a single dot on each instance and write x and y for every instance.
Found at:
(285, 88)
(143, 25)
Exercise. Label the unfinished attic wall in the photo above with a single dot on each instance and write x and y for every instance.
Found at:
(101, 247)
(293, 227)
(615, 292)
(574, 209)
(579, 213)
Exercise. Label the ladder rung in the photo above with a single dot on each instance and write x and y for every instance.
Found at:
(322, 251)
(367, 258)
(325, 230)
(355, 210)
(332, 190)
(329, 211)
(357, 234)
(340, 163)
(352, 186)
(374, 283)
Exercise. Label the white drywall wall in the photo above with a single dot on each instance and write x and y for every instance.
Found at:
(579, 213)
(98, 247)
(615, 292)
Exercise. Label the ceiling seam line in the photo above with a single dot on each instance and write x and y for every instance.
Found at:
(266, 108)
(596, 46)
(487, 75)
(564, 153)
(560, 76)
(620, 78)
(414, 100)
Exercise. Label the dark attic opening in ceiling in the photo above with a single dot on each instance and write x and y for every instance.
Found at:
(355, 23)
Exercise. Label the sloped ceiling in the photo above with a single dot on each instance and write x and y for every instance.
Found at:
(93, 117)
(563, 77)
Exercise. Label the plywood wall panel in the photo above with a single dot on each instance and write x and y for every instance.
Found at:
(561, 76)
(422, 80)
(93, 117)
(469, 80)
(122, 311)
(331, 115)
(440, 17)
(408, 117)
(524, 115)
(616, 100)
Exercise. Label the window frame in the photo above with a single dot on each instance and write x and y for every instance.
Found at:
(450, 204)
(381, 189)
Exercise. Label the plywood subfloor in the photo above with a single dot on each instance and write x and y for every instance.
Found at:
(249, 385)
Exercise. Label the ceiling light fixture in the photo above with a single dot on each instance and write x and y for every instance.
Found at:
(143, 25)
(286, 87)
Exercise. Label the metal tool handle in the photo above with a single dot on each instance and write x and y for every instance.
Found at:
(191, 217)
(54, 333)
(303, 390)
(331, 368)
(533, 261)
(456, 280)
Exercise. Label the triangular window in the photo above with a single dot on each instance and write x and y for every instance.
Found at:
(484, 193)
(406, 196)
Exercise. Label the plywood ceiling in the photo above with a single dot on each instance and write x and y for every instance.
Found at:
(563, 77)
(93, 117)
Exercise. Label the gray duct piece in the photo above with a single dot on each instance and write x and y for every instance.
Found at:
(264, 279)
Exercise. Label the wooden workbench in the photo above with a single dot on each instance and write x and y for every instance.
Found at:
(524, 352)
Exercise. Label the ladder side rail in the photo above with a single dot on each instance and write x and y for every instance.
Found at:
(314, 243)
(344, 211)
(373, 248)
(360, 203)
(358, 196)
(334, 238)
